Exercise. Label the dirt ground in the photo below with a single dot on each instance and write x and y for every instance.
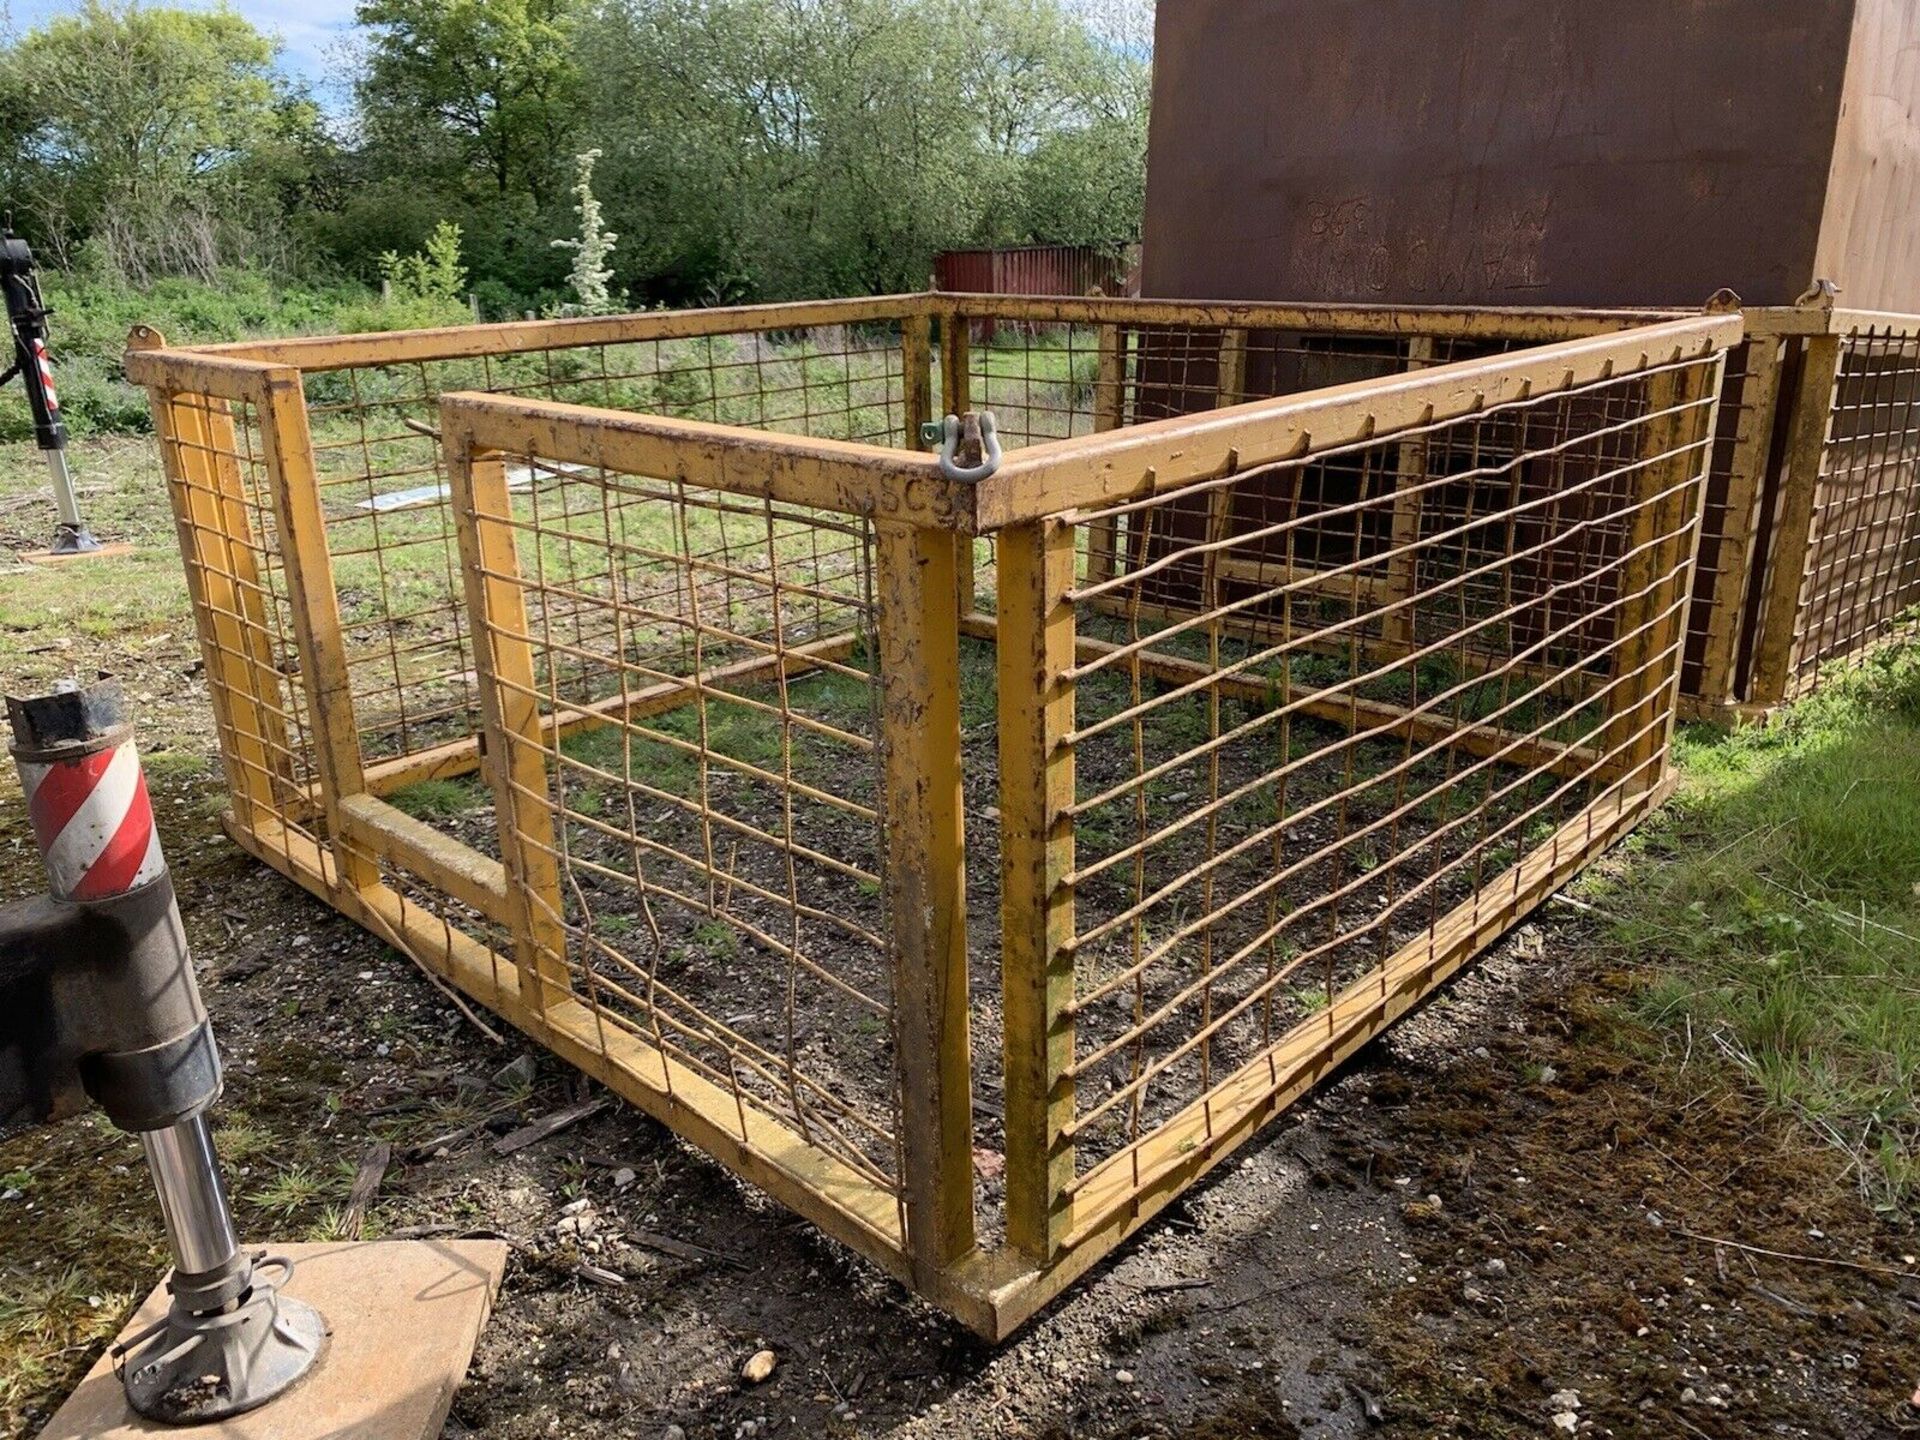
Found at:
(1516, 1216)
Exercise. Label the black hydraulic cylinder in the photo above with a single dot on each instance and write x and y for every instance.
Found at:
(27, 318)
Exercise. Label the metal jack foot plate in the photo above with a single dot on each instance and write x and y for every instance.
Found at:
(193, 1366)
(402, 1318)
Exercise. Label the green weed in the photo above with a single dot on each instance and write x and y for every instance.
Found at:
(717, 938)
(292, 1189)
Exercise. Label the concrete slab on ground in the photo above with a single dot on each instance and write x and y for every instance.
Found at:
(402, 1318)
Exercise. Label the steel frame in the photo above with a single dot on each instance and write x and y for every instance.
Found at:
(1802, 485)
(319, 818)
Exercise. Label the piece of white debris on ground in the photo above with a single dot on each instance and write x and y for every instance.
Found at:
(519, 477)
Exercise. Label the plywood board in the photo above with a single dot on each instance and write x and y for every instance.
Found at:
(402, 1316)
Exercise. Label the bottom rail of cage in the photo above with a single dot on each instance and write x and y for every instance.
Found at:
(995, 1291)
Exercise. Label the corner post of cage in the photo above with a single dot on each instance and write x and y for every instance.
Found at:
(1749, 454)
(1667, 492)
(956, 354)
(1685, 524)
(1109, 377)
(513, 739)
(1036, 706)
(1409, 498)
(1230, 386)
(924, 817)
(1803, 464)
(224, 585)
(294, 482)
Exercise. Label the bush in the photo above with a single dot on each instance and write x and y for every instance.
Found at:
(91, 318)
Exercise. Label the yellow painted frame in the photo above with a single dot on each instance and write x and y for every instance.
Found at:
(331, 835)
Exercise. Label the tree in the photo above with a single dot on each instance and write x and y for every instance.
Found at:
(489, 86)
(157, 133)
(434, 274)
(749, 147)
(1086, 186)
(1125, 26)
(788, 147)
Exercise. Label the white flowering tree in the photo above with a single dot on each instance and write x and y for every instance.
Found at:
(590, 272)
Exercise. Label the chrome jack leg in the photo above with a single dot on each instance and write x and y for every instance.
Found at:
(230, 1341)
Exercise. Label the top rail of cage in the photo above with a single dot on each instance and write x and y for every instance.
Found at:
(319, 353)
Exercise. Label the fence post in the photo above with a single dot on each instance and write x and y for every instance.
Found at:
(1409, 501)
(315, 606)
(513, 741)
(956, 354)
(1230, 387)
(1109, 413)
(926, 884)
(1775, 655)
(1036, 649)
(1667, 489)
(956, 398)
(1734, 555)
(916, 367)
(218, 546)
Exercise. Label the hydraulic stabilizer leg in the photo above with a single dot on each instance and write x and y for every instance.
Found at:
(27, 319)
(100, 1002)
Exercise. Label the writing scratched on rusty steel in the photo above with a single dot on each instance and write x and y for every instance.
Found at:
(1345, 246)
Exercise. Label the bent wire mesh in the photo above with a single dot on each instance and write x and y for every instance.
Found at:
(1323, 707)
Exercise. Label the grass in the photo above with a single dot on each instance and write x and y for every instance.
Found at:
(832, 376)
(1776, 909)
(751, 736)
(291, 1190)
(57, 610)
(438, 799)
(46, 1318)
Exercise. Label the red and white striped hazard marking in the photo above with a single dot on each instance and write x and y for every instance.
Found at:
(45, 363)
(93, 822)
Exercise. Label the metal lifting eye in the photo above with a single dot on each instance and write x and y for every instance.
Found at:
(989, 450)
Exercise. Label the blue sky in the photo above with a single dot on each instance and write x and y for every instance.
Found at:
(310, 30)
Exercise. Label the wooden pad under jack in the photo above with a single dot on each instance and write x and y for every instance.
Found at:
(402, 1319)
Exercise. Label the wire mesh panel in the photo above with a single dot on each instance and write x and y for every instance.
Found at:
(1047, 382)
(1053, 382)
(1039, 382)
(696, 821)
(1863, 565)
(230, 542)
(385, 489)
(1319, 712)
